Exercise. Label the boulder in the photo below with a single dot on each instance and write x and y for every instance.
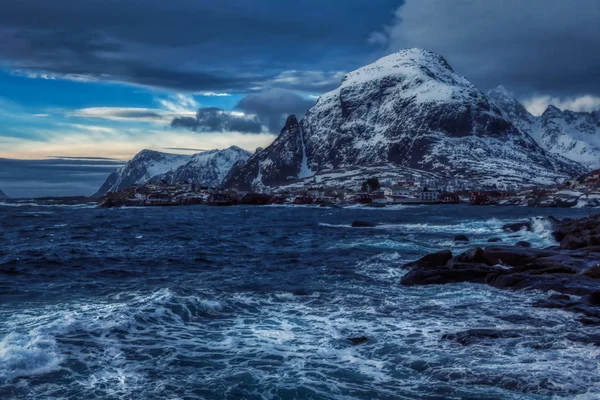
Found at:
(461, 238)
(363, 224)
(513, 256)
(593, 272)
(458, 272)
(592, 298)
(558, 235)
(593, 240)
(432, 260)
(572, 242)
(358, 340)
(474, 255)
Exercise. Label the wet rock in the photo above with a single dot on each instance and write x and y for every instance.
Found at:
(474, 255)
(555, 301)
(461, 238)
(523, 244)
(558, 235)
(513, 256)
(458, 272)
(363, 224)
(593, 272)
(519, 226)
(592, 298)
(438, 259)
(572, 242)
(300, 292)
(593, 240)
(494, 240)
(474, 336)
(358, 340)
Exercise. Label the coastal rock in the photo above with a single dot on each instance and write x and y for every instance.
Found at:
(363, 224)
(456, 272)
(461, 238)
(592, 298)
(474, 255)
(513, 256)
(572, 242)
(593, 272)
(358, 340)
(438, 259)
(494, 240)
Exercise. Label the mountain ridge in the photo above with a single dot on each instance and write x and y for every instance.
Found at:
(412, 109)
(572, 134)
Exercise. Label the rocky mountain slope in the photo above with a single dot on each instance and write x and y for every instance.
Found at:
(574, 135)
(208, 168)
(140, 169)
(413, 110)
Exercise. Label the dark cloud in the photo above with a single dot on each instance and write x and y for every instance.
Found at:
(273, 106)
(534, 46)
(230, 45)
(67, 176)
(212, 119)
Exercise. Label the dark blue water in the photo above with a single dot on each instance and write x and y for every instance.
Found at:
(256, 303)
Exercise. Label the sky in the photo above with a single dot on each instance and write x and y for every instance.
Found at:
(86, 84)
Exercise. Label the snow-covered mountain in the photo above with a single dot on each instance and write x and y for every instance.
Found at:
(208, 168)
(413, 110)
(140, 169)
(574, 135)
(2, 195)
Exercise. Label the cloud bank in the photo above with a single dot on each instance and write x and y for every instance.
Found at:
(533, 46)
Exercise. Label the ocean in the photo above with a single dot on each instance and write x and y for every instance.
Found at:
(242, 302)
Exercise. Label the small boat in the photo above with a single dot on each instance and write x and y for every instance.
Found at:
(378, 200)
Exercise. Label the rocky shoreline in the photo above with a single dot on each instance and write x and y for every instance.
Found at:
(569, 272)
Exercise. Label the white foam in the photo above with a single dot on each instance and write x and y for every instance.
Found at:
(28, 354)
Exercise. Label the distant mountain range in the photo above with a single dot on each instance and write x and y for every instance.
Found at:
(574, 135)
(206, 168)
(2, 195)
(409, 110)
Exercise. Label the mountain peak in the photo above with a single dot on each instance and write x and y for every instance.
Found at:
(290, 123)
(552, 109)
(417, 63)
(501, 92)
